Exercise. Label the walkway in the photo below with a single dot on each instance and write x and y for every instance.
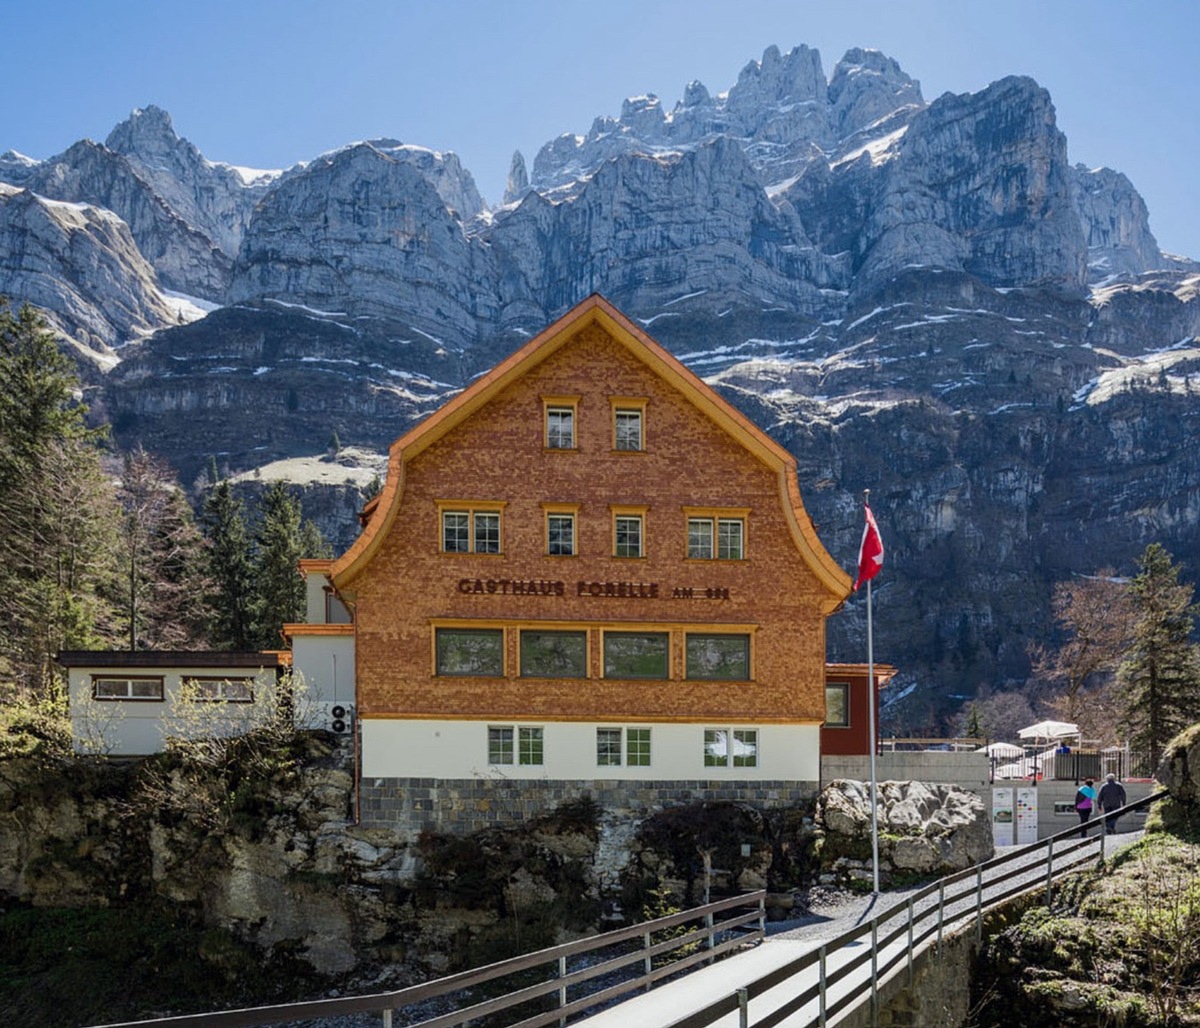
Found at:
(788, 940)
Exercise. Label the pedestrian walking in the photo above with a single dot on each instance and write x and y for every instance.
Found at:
(1085, 800)
(1112, 797)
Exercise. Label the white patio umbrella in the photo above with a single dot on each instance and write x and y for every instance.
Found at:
(1048, 731)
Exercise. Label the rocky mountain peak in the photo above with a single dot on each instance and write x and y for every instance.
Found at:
(867, 86)
(796, 78)
(518, 179)
(147, 131)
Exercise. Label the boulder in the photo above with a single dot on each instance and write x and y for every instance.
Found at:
(925, 828)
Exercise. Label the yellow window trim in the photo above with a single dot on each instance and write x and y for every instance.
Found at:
(621, 404)
(570, 403)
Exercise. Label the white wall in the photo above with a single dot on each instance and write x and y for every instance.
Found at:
(140, 727)
(396, 748)
(325, 664)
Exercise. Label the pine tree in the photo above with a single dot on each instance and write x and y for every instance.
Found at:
(278, 587)
(55, 505)
(1160, 676)
(163, 584)
(230, 570)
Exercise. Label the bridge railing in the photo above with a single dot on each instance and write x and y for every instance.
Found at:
(890, 942)
(607, 967)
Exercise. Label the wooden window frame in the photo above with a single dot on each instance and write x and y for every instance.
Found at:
(560, 404)
(551, 510)
(715, 516)
(461, 627)
(699, 634)
(628, 405)
(471, 509)
(532, 629)
(619, 512)
(649, 630)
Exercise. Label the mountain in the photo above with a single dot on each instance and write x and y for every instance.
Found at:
(923, 298)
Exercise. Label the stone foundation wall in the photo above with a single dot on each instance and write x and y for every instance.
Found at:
(461, 806)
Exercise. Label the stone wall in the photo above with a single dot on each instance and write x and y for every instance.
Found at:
(460, 806)
(969, 770)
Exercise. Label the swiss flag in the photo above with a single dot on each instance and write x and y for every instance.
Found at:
(870, 553)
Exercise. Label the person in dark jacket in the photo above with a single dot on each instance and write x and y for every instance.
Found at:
(1112, 797)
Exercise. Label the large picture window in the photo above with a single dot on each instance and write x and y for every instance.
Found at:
(636, 654)
(724, 747)
(723, 657)
(470, 651)
(553, 654)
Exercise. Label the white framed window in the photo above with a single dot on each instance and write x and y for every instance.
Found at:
(726, 747)
(218, 690)
(470, 528)
(133, 687)
(500, 744)
(520, 744)
(609, 747)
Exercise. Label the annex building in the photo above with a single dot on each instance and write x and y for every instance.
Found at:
(587, 573)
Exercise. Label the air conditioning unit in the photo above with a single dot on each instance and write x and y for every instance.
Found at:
(333, 715)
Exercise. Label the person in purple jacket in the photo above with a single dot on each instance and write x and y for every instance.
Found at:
(1085, 802)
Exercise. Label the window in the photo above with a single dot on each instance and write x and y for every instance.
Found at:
(470, 651)
(716, 537)
(467, 529)
(104, 688)
(629, 415)
(837, 705)
(637, 747)
(219, 690)
(553, 654)
(529, 745)
(608, 747)
(560, 533)
(560, 414)
(636, 654)
(627, 535)
(726, 748)
(500, 745)
(722, 657)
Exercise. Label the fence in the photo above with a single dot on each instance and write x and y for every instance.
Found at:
(625, 960)
(845, 974)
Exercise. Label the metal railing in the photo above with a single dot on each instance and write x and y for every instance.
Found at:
(834, 981)
(662, 947)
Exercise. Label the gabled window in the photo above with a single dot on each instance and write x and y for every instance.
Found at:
(560, 414)
(470, 527)
(629, 423)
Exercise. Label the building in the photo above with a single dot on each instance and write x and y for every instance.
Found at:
(586, 573)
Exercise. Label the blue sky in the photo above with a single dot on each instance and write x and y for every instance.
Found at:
(266, 83)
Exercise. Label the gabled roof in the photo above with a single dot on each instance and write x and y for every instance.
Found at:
(594, 310)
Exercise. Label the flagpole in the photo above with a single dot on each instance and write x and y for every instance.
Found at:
(871, 731)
